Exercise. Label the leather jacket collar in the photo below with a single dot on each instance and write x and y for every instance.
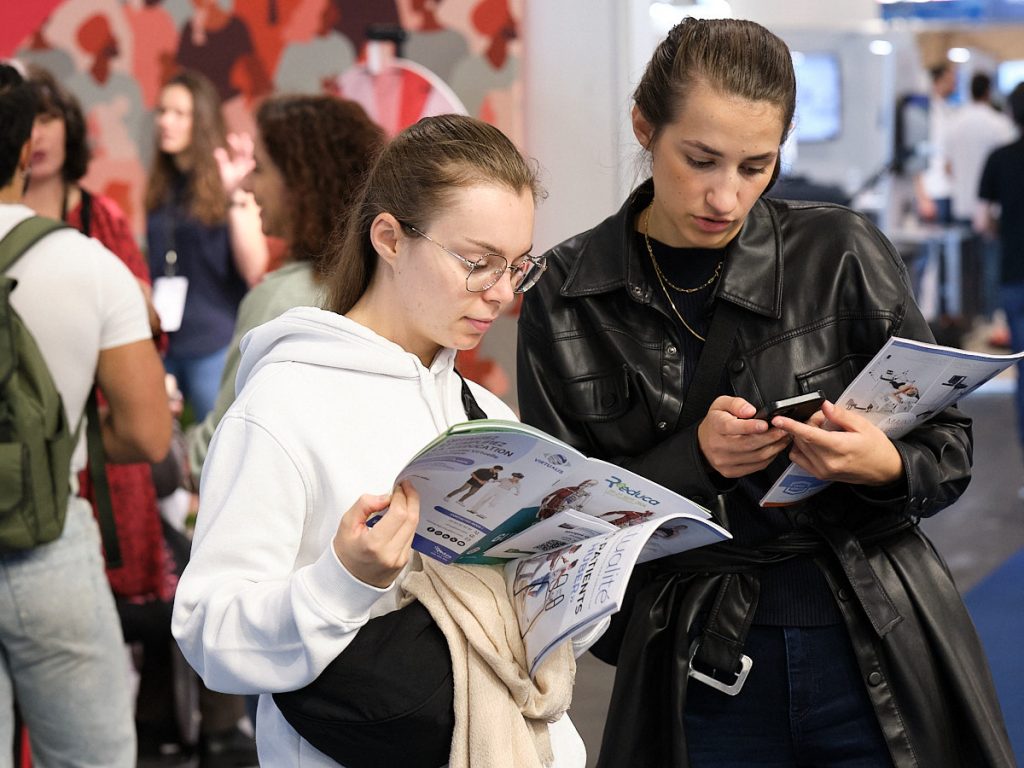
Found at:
(753, 267)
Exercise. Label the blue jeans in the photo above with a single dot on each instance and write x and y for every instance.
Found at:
(804, 704)
(1011, 296)
(198, 379)
(62, 653)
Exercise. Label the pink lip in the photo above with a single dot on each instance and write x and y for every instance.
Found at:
(712, 225)
(481, 325)
(37, 157)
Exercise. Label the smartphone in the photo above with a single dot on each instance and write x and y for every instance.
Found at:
(799, 408)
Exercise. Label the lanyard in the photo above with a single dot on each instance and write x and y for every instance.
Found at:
(171, 224)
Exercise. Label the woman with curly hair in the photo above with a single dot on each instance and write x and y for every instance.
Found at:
(201, 225)
(311, 155)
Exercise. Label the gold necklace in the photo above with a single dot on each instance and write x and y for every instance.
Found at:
(661, 275)
(662, 280)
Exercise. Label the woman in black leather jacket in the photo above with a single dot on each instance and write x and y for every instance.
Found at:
(828, 632)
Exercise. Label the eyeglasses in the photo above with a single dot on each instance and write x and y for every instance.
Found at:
(487, 270)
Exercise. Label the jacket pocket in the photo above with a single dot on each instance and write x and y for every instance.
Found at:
(598, 397)
(833, 378)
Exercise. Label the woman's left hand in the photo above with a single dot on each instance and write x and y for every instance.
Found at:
(850, 450)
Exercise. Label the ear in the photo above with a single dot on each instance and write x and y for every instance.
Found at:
(385, 232)
(25, 156)
(642, 129)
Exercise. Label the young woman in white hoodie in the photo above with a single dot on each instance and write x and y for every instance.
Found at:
(331, 404)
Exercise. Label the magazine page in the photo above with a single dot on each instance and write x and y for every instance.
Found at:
(560, 593)
(483, 482)
(479, 476)
(603, 491)
(561, 529)
(904, 385)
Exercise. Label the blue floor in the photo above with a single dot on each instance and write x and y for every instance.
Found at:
(997, 607)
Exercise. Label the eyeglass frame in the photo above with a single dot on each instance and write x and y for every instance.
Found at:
(540, 263)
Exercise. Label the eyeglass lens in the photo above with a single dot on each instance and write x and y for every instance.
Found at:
(490, 267)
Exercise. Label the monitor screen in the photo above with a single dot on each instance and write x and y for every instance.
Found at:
(1008, 75)
(818, 96)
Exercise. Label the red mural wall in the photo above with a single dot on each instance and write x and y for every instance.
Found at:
(114, 55)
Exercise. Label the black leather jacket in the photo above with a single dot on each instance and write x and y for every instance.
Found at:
(599, 362)
(820, 290)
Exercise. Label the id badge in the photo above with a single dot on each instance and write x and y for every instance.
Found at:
(169, 301)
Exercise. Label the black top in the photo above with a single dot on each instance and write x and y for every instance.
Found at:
(686, 268)
(1002, 181)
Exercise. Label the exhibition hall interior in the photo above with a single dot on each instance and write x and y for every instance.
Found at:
(901, 106)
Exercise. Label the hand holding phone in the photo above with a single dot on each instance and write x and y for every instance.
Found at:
(798, 408)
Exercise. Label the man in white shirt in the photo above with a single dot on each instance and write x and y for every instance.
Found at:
(61, 649)
(973, 132)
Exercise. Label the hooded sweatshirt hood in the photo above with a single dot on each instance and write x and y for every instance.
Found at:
(319, 337)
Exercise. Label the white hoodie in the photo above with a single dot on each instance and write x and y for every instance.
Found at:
(326, 410)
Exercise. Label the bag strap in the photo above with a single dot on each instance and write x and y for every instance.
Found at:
(100, 486)
(469, 403)
(15, 243)
(706, 379)
(720, 644)
(86, 212)
(23, 236)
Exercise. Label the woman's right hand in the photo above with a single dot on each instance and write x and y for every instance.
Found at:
(735, 444)
(235, 161)
(376, 555)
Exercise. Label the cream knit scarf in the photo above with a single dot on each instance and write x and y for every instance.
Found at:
(501, 715)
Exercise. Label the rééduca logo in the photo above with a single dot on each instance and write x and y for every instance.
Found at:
(616, 484)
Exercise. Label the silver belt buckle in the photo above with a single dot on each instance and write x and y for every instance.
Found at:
(730, 689)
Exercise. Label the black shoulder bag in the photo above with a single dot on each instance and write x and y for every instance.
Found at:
(388, 698)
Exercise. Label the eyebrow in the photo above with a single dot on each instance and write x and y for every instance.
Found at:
(715, 153)
(493, 249)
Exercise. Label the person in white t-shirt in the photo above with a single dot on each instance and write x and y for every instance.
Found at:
(973, 132)
(60, 637)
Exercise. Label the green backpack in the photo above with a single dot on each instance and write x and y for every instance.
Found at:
(36, 442)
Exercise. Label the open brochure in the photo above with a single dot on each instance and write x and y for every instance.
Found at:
(559, 594)
(904, 385)
(569, 528)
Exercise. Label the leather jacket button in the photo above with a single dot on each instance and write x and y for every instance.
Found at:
(802, 519)
(670, 349)
(843, 594)
(737, 366)
(636, 290)
(875, 679)
(662, 425)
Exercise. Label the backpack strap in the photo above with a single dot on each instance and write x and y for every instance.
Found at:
(100, 486)
(15, 243)
(23, 236)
